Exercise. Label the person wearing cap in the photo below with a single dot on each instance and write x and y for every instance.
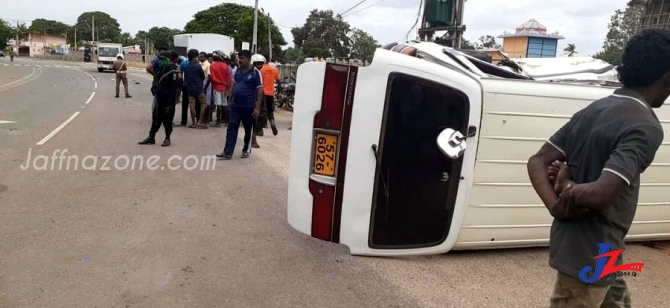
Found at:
(120, 67)
(245, 106)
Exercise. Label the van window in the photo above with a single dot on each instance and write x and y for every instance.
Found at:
(416, 185)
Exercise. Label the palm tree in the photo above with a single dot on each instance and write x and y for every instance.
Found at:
(570, 50)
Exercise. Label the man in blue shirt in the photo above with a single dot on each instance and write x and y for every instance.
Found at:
(245, 106)
(183, 63)
(194, 81)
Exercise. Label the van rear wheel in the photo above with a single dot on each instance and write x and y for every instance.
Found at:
(100, 70)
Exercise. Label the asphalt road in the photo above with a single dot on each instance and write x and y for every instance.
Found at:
(204, 238)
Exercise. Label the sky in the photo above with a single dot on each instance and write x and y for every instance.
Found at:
(581, 22)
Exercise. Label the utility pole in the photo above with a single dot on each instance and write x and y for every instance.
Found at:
(254, 44)
(93, 30)
(459, 24)
(16, 43)
(269, 39)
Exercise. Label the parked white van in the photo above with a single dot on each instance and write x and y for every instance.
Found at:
(425, 151)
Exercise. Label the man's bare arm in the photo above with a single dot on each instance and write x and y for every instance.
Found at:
(537, 171)
(599, 194)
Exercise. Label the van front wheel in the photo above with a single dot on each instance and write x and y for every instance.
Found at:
(100, 70)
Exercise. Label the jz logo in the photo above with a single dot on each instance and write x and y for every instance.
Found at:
(605, 267)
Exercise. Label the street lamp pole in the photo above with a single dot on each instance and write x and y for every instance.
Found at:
(254, 43)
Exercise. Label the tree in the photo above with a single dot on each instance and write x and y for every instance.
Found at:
(106, 27)
(50, 27)
(570, 50)
(6, 32)
(125, 39)
(465, 44)
(624, 24)
(323, 35)
(236, 20)
(293, 55)
(363, 45)
(162, 38)
(487, 41)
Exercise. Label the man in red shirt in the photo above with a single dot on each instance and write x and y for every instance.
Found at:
(221, 82)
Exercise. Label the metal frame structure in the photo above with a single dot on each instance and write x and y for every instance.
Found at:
(455, 30)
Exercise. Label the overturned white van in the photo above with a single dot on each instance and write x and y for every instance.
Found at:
(366, 169)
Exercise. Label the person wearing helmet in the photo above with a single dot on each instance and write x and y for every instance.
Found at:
(120, 67)
(258, 61)
(270, 77)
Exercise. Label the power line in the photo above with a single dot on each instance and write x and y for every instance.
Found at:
(353, 7)
(418, 16)
(363, 9)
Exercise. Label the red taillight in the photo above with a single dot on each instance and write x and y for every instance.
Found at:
(322, 210)
(332, 101)
(333, 119)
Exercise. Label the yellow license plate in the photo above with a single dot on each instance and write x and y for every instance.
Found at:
(325, 153)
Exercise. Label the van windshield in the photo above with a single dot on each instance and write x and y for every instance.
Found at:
(108, 51)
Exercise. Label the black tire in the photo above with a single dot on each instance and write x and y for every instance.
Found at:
(100, 70)
(289, 104)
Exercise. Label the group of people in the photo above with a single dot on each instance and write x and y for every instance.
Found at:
(239, 89)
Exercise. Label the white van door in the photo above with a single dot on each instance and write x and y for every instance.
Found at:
(392, 190)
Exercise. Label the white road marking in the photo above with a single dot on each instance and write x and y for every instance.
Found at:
(58, 129)
(5, 64)
(17, 64)
(95, 85)
(90, 98)
(6, 122)
(47, 65)
(89, 75)
(34, 75)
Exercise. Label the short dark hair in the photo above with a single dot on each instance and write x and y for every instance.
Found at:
(646, 58)
(193, 53)
(244, 53)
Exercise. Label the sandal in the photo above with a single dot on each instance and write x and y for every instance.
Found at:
(193, 126)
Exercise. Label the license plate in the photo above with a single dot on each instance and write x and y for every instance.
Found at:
(325, 152)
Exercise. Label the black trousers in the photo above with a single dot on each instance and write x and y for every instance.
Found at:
(270, 106)
(184, 106)
(163, 114)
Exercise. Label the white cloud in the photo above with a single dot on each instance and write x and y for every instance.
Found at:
(582, 22)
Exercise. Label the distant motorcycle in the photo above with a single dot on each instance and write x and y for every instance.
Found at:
(285, 94)
(11, 56)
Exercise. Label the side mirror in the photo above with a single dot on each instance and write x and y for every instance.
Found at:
(452, 143)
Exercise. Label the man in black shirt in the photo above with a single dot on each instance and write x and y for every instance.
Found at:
(593, 198)
(164, 88)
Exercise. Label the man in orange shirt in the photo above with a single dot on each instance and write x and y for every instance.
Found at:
(270, 76)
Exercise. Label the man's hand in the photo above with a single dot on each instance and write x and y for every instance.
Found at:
(257, 112)
(565, 207)
(559, 175)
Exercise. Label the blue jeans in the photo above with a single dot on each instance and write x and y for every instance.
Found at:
(239, 114)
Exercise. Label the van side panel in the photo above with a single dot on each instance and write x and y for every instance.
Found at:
(517, 118)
